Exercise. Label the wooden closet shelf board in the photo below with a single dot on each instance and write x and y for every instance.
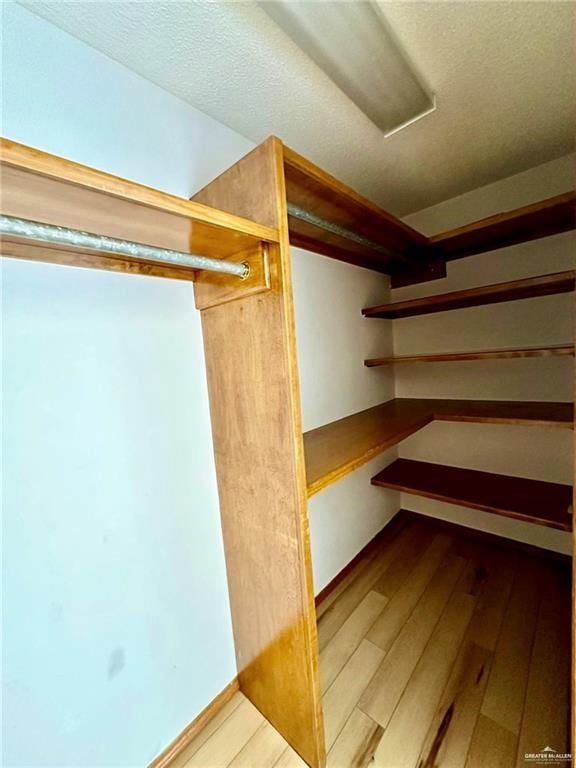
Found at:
(314, 190)
(543, 285)
(557, 350)
(336, 449)
(534, 501)
(528, 413)
(531, 222)
(52, 190)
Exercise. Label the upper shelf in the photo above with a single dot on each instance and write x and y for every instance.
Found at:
(400, 250)
(336, 449)
(547, 217)
(48, 189)
(544, 285)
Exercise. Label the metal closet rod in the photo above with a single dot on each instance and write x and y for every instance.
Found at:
(33, 230)
(329, 226)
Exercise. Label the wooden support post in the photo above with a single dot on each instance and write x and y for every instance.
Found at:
(255, 410)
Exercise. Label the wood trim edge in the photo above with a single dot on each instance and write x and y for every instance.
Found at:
(185, 737)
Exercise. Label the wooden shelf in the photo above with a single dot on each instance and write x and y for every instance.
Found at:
(557, 350)
(547, 217)
(544, 285)
(542, 414)
(534, 501)
(52, 190)
(314, 190)
(334, 450)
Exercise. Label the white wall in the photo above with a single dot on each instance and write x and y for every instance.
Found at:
(117, 628)
(116, 619)
(333, 341)
(542, 453)
(66, 98)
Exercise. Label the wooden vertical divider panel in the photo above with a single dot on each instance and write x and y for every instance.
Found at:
(255, 410)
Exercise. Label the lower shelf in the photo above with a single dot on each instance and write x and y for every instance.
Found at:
(534, 501)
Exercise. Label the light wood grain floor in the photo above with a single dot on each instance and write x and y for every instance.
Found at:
(439, 649)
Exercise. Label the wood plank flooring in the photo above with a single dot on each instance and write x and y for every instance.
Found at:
(442, 648)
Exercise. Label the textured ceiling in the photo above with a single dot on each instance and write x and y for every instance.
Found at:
(504, 74)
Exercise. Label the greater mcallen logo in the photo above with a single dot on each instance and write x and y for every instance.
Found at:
(547, 756)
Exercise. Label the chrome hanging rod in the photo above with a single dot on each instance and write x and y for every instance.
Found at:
(329, 226)
(33, 230)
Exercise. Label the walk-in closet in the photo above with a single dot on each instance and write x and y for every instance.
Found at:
(289, 425)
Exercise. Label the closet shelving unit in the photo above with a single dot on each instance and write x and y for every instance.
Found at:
(335, 449)
(266, 467)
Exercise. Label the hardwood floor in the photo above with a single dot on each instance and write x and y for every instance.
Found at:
(441, 648)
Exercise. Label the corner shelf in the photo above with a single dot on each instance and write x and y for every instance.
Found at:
(534, 501)
(531, 222)
(544, 285)
(336, 449)
(555, 350)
